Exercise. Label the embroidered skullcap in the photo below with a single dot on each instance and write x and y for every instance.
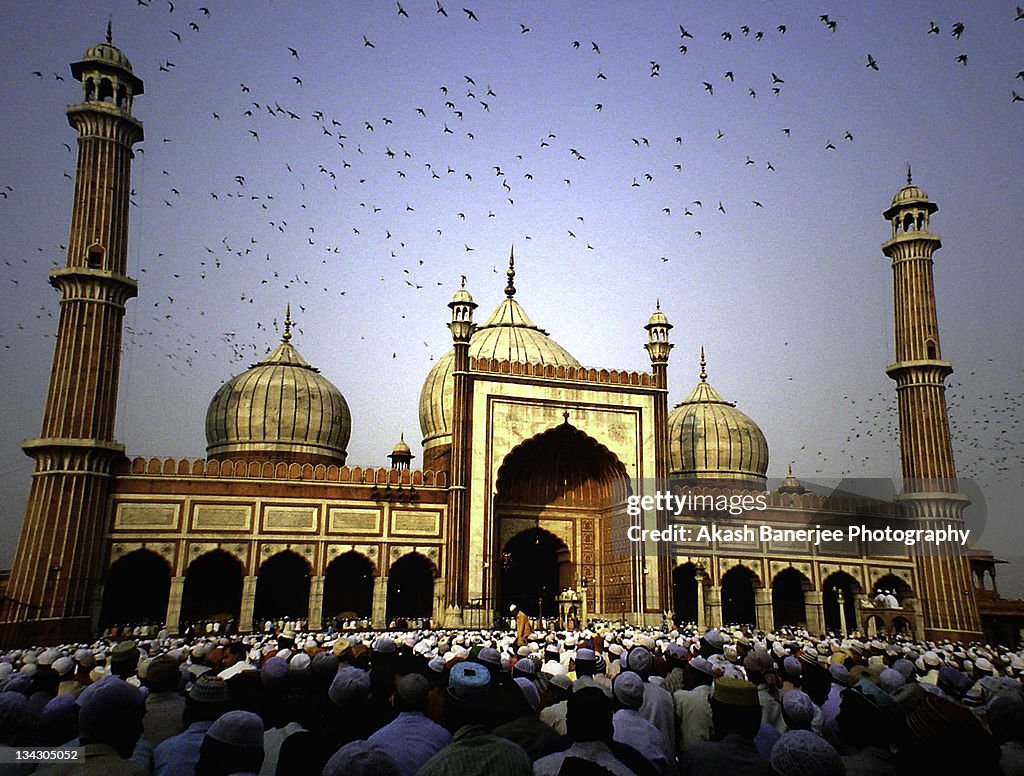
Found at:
(350, 685)
(803, 753)
(242, 729)
(628, 689)
(361, 758)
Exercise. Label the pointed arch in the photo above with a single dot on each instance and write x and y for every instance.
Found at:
(135, 589)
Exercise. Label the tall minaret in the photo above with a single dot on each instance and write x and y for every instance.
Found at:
(658, 348)
(457, 547)
(930, 493)
(54, 585)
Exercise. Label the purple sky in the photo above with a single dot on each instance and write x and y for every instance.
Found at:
(365, 232)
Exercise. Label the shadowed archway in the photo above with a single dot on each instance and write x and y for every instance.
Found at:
(738, 606)
(830, 587)
(282, 588)
(213, 588)
(530, 572)
(788, 607)
(684, 593)
(135, 589)
(562, 475)
(410, 588)
(348, 587)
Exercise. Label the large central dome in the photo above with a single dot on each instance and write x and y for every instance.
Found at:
(712, 442)
(280, 409)
(508, 335)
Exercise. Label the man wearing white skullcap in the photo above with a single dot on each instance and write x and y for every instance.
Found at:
(523, 626)
(634, 730)
(693, 709)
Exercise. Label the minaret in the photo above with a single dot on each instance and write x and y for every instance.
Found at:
(457, 548)
(658, 348)
(930, 493)
(54, 585)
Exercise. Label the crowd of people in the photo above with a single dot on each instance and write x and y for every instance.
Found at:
(608, 699)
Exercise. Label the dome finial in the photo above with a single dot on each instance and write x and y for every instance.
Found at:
(703, 366)
(657, 303)
(910, 179)
(287, 324)
(510, 289)
(110, 33)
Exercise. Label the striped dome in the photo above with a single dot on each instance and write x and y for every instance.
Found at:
(279, 409)
(508, 335)
(711, 440)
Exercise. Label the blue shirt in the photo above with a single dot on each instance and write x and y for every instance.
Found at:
(411, 739)
(178, 755)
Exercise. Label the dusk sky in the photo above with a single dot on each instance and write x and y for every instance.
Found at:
(355, 159)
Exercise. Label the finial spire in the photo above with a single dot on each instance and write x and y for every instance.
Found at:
(703, 366)
(657, 303)
(791, 470)
(110, 33)
(910, 179)
(287, 324)
(510, 288)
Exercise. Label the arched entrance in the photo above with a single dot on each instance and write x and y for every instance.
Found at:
(738, 607)
(282, 588)
(788, 598)
(410, 588)
(835, 583)
(213, 588)
(531, 572)
(684, 593)
(892, 583)
(562, 480)
(135, 590)
(348, 587)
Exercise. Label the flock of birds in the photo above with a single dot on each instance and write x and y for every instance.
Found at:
(463, 112)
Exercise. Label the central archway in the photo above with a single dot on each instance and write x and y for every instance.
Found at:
(560, 482)
(532, 564)
(410, 588)
(213, 588)
(135, 589)
(738, 605)
(840, 581)
(684, 593)
(788, 606)
(282, 588)
(348, 587)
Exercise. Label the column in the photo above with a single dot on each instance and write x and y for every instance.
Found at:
(248, 603)
(437, 617)
(815, 612)
(763, 606)
(380, 602)
(173, 617)
(714, 606)
(701, 614)
(316, 603)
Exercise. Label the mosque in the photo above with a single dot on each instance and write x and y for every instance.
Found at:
(530, 462)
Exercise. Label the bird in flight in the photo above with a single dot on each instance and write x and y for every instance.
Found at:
(470, 15)
(872, 63)
(440, 8)
(295, 53)
(709, 88)
(958, 30)
(366, 43)
(933, 28)
(402, 11)
(962, 59)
